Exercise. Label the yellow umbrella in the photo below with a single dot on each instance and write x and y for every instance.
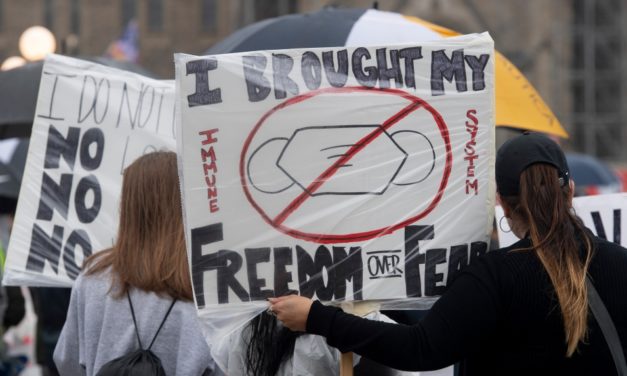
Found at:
(518, 104)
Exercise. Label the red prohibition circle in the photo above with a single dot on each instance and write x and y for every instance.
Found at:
(359, 236)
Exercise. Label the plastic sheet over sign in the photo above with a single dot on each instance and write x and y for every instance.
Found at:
(342, 174)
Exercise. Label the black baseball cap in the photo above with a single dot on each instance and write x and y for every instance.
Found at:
(515, 155)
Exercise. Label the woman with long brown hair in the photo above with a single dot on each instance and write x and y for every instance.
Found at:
(520, 310)
(139, 287)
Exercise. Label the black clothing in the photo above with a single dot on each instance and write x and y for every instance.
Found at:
(16, 308)
(50, 305)
(499, 317)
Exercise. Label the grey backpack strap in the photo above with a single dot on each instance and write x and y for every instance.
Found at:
(607, 328)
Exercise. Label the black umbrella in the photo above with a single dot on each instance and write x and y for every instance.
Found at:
(328, 27)
(12, 161)
(18, 94)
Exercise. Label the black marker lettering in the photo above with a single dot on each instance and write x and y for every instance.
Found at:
(410, 54)
(94, 100)
(44, 248)
(311, 70)
(281, 67)
(257, 86)
(78, 238)
(336, 77)
(282, 278)
(53, 94)
(93, 137)
(255, 256)
(59, 146)
(393, 72)
(444, 68)
(87, 214)
(347, 268)
(365, 76)
(227, 263)
(54, 196)
(310, 273)
(478, 66)
(413, 257)
(202, 96)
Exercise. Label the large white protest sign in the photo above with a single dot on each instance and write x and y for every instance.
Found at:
(359, 173)
(602, 214)
(91, 122)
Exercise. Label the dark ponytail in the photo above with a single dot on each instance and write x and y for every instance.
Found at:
(556, 234)
(268, 345)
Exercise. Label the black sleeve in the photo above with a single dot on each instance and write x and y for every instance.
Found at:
(463, 317)
(15, 309)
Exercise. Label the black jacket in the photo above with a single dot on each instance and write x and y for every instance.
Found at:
(499, 317)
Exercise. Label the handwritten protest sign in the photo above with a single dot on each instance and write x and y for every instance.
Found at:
(91, 122)
(336, 173)
(603, 214)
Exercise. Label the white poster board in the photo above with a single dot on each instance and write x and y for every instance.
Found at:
(342, 174)
(91, 122)
(602, 214)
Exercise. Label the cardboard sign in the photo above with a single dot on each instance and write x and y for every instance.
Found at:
(91, 122)
(340, 174)
(602, 214)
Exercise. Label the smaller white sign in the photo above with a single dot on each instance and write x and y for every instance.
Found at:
(91, 122)
(602, 214)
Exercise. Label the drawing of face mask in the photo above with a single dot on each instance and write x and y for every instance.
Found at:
(341, 160)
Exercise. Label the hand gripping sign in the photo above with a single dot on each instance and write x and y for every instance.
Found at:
(339, 174)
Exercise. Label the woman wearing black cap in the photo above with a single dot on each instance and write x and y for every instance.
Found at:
(520, 310)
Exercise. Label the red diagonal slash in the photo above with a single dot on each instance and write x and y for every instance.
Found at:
(329, 172)
(356, 236)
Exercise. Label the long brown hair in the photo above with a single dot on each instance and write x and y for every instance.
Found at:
(556, 233)
(149, 253)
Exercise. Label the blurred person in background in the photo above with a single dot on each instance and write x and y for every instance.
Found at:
(12, 308)
(145, 271)
(12, 304)
(12, 160)
(50, 304)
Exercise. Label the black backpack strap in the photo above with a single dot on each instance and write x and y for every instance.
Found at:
(162, 322)
(128, 295)
(608, 329)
